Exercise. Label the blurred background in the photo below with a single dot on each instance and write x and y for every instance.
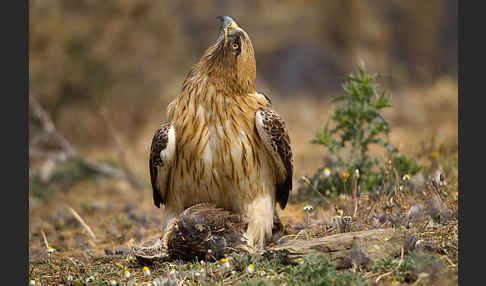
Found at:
(104, 71)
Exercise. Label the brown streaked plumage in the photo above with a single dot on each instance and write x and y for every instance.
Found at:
(222, 144)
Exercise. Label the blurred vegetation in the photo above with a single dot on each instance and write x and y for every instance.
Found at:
(131, 56)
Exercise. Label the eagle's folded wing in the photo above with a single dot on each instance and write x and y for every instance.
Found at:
(273, 132)
(265, 97)
(162, 154)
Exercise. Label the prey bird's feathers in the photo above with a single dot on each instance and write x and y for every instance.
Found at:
(273, 132)
(161, 156)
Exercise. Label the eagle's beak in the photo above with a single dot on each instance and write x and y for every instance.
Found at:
(227, 24)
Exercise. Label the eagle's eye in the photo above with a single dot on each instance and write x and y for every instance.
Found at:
(235, 46)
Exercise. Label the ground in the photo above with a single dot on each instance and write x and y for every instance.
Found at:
(122, 217)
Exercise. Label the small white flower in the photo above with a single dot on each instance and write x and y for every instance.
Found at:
(356, 173)
(32, 282)
(327, 172)
(113, 282)
(400, 188)
(126, 273)
(328, 192)
(250, 268)
(308, 208)
(225, 262)
(423, 275)
(405, 177)
(146, 271)
(70, 278)
(173, 272)
(50, 250)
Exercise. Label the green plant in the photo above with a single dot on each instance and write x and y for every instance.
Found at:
(412, 263)
(358, 123)
(316, 270)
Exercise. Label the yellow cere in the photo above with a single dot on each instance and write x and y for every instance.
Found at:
(232, 25)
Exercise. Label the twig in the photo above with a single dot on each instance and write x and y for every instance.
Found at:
(119, 146)
(381, 276)
(70, 153)
(45, 239)
(450, 262)
(355, 192)
(81, 221)
(316, 191)
(401, 259)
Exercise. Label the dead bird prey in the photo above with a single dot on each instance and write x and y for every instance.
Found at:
(222, 143)
(205, 232)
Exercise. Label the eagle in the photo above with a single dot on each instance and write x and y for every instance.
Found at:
(222, 143)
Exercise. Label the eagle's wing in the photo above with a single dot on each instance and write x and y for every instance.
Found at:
(162, 154)
(265, 97)
(273, 132)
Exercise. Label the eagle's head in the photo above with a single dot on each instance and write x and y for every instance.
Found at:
(232, 57)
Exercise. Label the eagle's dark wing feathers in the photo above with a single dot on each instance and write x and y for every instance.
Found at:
(273, 132)
(161, 156)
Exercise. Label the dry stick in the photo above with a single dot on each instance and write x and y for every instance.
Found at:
(319, 193)
(81, 221)
(119, 146)
(448, 260)
(355, 196)
(69, 152)
(397, 189)
(45, 239)
(401, 259)
(381, 276)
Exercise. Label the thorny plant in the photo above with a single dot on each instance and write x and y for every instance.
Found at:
(358, 123)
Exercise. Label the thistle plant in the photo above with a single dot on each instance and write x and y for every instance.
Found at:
(357, 123)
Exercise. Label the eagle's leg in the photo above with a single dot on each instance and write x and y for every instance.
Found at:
(260, 214)
(167, 223)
